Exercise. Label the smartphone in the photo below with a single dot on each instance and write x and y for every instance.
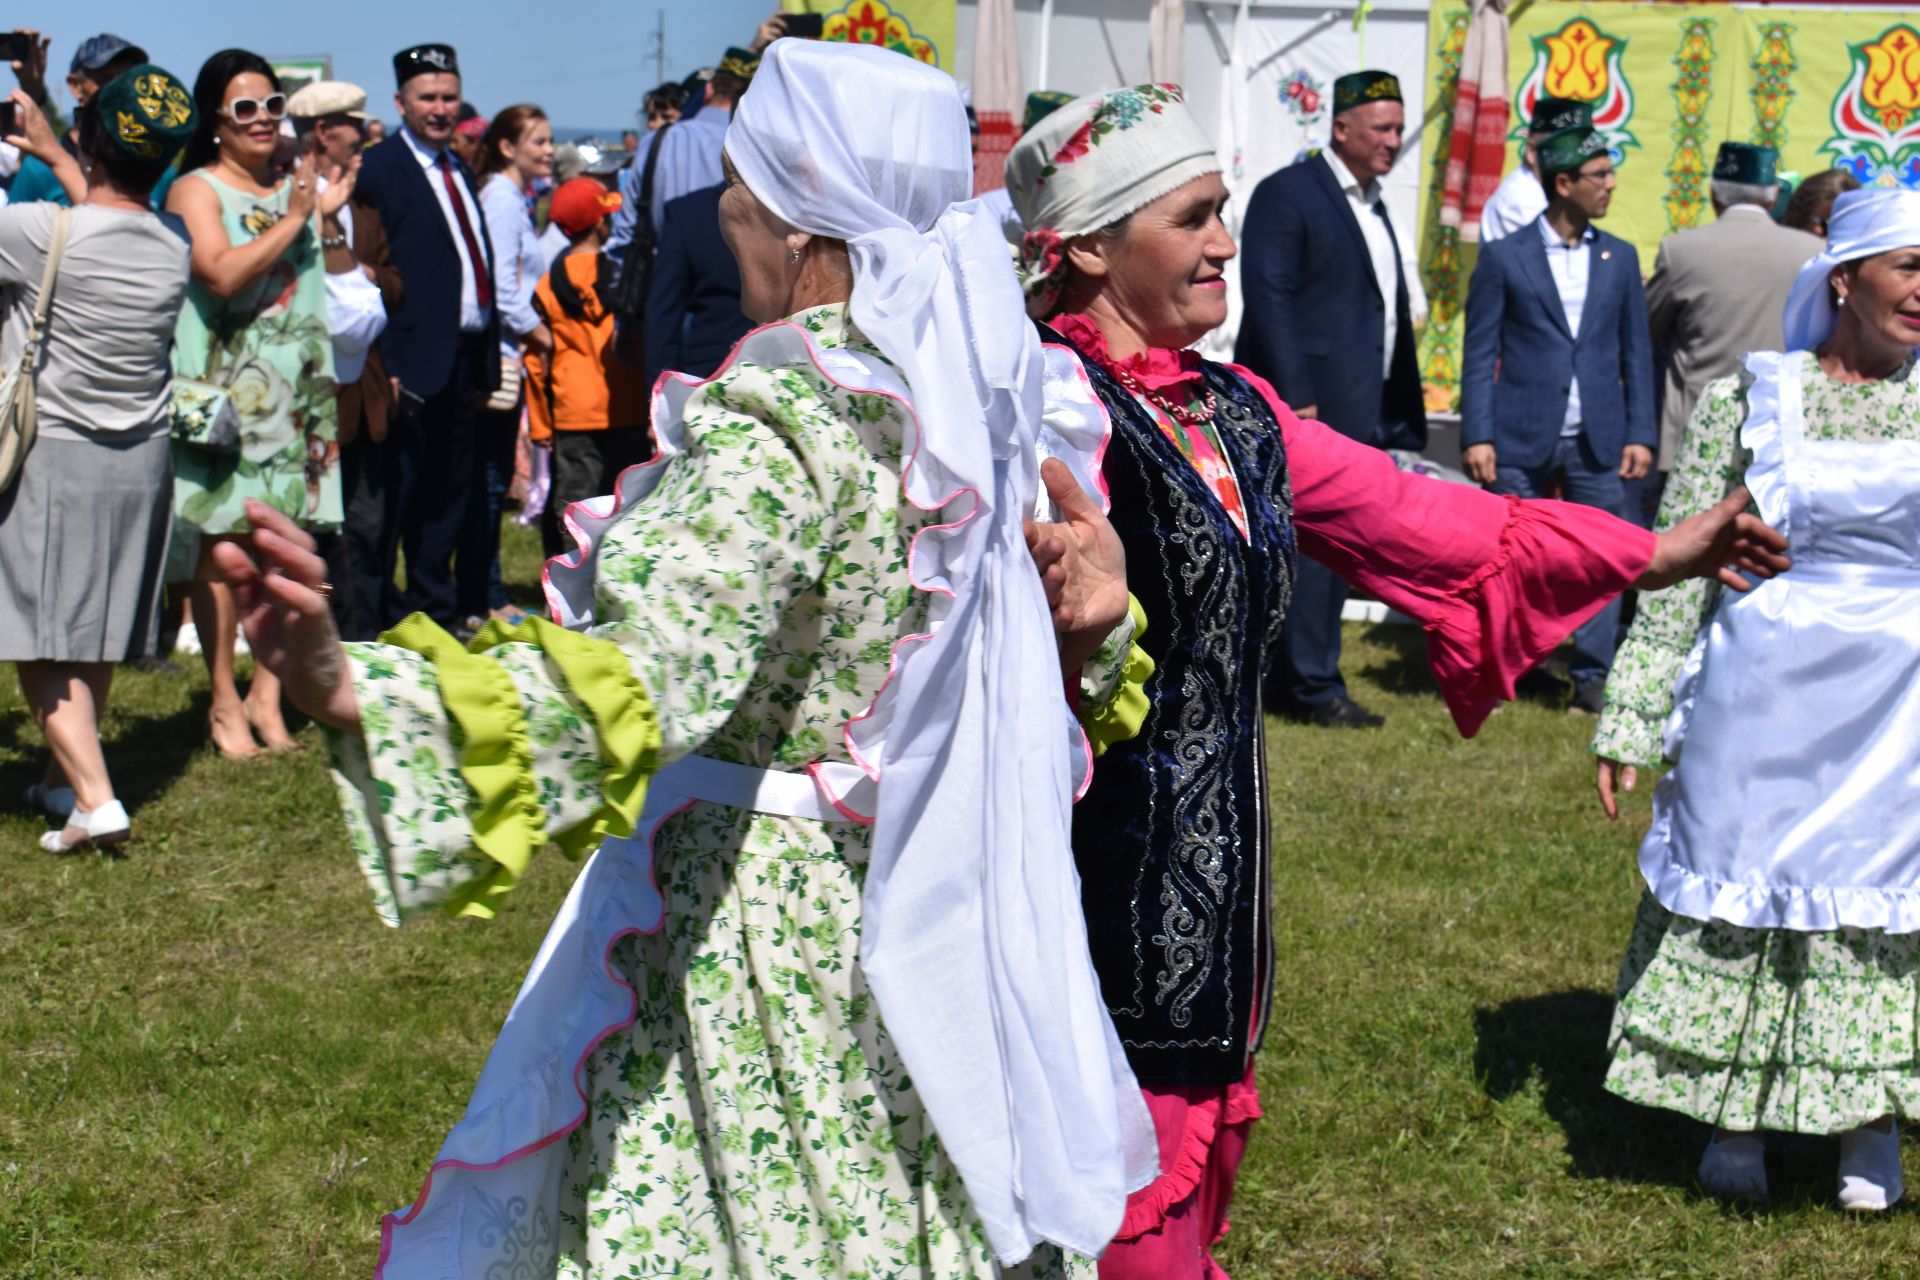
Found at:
(408, 405)
(15, 46)
(9, 119)
(807, 26)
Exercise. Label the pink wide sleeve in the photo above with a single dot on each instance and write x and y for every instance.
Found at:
(1498, 582)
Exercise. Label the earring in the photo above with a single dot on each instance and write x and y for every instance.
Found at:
(793, 255)
(1840, 301)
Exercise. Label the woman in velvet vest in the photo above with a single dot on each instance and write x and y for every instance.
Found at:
(1217, 488)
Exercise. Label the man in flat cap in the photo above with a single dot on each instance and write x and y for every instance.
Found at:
(1327, 322)
(1520, 197)
(1557, 379)
(1719, 291)
(443, 339)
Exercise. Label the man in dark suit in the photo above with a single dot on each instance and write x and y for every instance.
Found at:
(1327, 323)
(693, 295)
(443, 341)
(1557, 375)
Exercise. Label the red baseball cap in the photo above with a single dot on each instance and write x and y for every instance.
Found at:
(578, 203)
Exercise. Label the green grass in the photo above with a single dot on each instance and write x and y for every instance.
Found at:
(215, 1063)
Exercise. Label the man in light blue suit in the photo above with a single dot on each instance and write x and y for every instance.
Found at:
(1557, 378)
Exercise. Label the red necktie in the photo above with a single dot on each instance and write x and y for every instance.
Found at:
(482, 282)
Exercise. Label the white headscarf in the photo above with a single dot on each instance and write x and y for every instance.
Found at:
(1863, 223)
(1093, 162)
(972, 936)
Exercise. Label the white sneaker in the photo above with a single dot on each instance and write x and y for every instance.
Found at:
(1870, 1179)
(107, 825)
(1734, 1166)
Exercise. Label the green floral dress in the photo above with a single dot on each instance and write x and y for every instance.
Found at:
(270, 348)
(755, 1119)
(1753, 1028)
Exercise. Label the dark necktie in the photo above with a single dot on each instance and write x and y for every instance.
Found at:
(482, 282)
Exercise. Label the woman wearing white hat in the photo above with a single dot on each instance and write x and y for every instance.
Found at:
(1773, 977)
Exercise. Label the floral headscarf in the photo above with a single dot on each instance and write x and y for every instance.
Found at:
(1090, 164)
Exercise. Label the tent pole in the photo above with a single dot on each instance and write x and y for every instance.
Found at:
(1046, 42)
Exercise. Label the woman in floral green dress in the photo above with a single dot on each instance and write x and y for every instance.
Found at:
(697, 1079)
(1773, 976)
(255, 325)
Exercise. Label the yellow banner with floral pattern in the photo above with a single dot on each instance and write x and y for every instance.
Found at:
(1668, 84)
(923, 29)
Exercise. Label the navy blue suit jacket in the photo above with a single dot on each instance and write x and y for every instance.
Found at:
(423, 333)
(693, 296)
(1315, 316)
(1521, 357)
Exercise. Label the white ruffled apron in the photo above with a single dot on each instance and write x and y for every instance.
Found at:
(1795, 802)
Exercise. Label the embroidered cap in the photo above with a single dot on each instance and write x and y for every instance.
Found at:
(1568, 149)
(1358, 88)
(148, 112)
(1042, 103)
(1551, 115)
(1093, 162)
(739, 63)
(425, 60)
(1744, 162)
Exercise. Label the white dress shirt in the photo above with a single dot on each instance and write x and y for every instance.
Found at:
(1517, 201)
(473, 316)
(1570, 266)
(1371, 214)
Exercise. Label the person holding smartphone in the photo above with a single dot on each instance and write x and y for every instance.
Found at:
(98, 61)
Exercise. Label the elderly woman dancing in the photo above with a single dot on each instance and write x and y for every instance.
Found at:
(1773, 974)
(1215, 486)
(821, 1004)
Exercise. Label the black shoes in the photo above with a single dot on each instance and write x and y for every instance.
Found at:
(1591, 699)
(1341, 713)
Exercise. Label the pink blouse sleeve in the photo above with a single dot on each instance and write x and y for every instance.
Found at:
(1498, 582)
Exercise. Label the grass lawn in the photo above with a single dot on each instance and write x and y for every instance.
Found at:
(214, 1062)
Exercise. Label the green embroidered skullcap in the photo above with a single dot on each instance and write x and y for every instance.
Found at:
(1042, 103)
(1551, 115)
(1361, 87)
(740, 63)
(1568, 149)
(148, 112)
(1744, 162)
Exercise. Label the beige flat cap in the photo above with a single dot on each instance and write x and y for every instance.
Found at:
(328, 98)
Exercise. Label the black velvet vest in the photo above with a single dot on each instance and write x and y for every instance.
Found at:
(1172, 840)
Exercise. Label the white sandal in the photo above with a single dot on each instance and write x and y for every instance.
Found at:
(1870, 1178)
(55, 802)
(103, 827)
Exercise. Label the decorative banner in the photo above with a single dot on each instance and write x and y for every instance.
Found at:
(922, 29)
(1831, 88)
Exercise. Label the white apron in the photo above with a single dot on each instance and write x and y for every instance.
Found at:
(1796, 800)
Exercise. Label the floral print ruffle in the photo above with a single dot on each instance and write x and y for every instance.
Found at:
(1767, 1028)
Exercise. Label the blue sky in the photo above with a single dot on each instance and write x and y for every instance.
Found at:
(587, 62)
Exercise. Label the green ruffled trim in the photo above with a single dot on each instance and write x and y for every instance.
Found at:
(598, 674)
(1124, 713)
(496, 759)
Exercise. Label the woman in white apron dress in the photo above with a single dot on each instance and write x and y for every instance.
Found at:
(1773, 976)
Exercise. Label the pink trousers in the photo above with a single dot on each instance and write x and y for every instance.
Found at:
(1173, 1222)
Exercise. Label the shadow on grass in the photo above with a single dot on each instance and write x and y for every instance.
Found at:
(145, 757)
(1405, 668)
(1560, 1040)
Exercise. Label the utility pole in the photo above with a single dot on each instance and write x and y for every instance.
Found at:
(660, 47)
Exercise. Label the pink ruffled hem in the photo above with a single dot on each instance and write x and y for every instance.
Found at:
(1197, 1114)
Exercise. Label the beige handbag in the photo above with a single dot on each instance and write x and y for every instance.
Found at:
(19, 408)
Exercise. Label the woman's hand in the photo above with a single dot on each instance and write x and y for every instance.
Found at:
(36, 137)
(1613, 777)
(1082, 566)
(340, 180)
(539, 340)
(287, 622)
(1722, 542)
(302, 199)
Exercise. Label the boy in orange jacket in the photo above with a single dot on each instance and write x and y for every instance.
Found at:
(582, 403)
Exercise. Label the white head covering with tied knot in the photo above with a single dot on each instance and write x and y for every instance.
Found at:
(1862, 224)
(972, 937)
(1093, 162)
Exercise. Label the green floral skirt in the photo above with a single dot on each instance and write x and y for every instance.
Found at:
(1767, 1028)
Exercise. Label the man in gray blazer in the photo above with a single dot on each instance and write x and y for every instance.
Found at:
(1718, 291)
(1557, 380)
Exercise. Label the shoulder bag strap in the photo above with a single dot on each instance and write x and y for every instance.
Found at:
(56, 250)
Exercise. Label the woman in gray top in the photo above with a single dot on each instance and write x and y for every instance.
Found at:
(83, 530)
